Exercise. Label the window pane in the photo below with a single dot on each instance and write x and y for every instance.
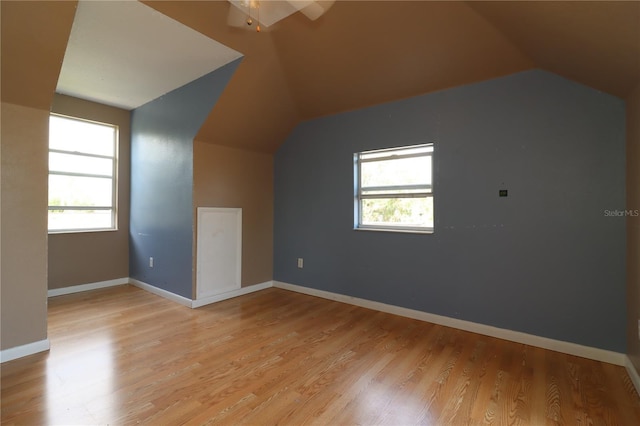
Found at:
(405, 171)
(80, 164)
(79, 191)
(409, 212)
(79, 219)
(81, 136)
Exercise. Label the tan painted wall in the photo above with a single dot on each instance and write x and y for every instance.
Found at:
(34, 39)
(87, 257)
(229, 177)
(604, 52)
(633, 226)
(23, 278)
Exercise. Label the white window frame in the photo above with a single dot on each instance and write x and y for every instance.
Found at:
(415, 191)
(113, 177)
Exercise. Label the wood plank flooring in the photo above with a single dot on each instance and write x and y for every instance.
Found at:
(123, 356)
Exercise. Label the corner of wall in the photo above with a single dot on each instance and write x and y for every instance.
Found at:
(633, 226)
(24, 225)
(161, 208)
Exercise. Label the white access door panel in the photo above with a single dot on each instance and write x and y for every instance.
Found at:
(219, 245)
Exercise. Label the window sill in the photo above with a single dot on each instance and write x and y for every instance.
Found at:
(81, 231)
(400, 231)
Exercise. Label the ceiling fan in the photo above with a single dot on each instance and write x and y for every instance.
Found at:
(256, 14)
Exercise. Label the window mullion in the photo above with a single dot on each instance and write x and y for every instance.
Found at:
(87, 208)
(89, 175)
(82, 154)
(396, 157)
(399, 196)
(397, 188)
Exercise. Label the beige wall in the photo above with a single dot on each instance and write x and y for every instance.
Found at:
(23, 277)
(87, 257)
(228, 177)
(34, 39)
(633, 226)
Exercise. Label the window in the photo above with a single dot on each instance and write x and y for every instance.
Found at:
(394, 189)
(82, 175)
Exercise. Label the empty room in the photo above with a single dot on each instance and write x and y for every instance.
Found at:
(320, 212)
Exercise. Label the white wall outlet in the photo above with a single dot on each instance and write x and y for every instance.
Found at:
(300, 263)
(151, 262)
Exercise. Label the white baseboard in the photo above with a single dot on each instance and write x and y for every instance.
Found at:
(86, 287)
(199, 302)
(160, 292)
(487, 330)
(633, 373)
(24, 350)
(231, 294)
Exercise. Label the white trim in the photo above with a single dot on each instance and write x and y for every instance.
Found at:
(206, 239)
(160, 292)
(633, 373)
(199, 302)
(231, 294)
(24, 350)
(86, 287)
(597, 354)
(163, 293)
(487, 330)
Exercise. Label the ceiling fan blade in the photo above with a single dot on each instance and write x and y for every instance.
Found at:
(272, 11)
(300, 4)
(237, 17)
(316, 9)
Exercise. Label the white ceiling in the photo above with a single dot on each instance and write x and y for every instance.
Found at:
(125, 54)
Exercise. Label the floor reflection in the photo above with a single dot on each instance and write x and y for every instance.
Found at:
(80, 382)
(398, 410)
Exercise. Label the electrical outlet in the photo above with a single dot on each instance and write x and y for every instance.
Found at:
(151, 262)
(300, 263)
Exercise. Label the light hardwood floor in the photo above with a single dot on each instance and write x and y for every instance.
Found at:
(124, 356)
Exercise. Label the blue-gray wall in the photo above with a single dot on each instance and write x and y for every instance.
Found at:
(161, 218)
(545, 260)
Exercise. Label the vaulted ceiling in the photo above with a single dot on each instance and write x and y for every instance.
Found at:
(359, 53)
